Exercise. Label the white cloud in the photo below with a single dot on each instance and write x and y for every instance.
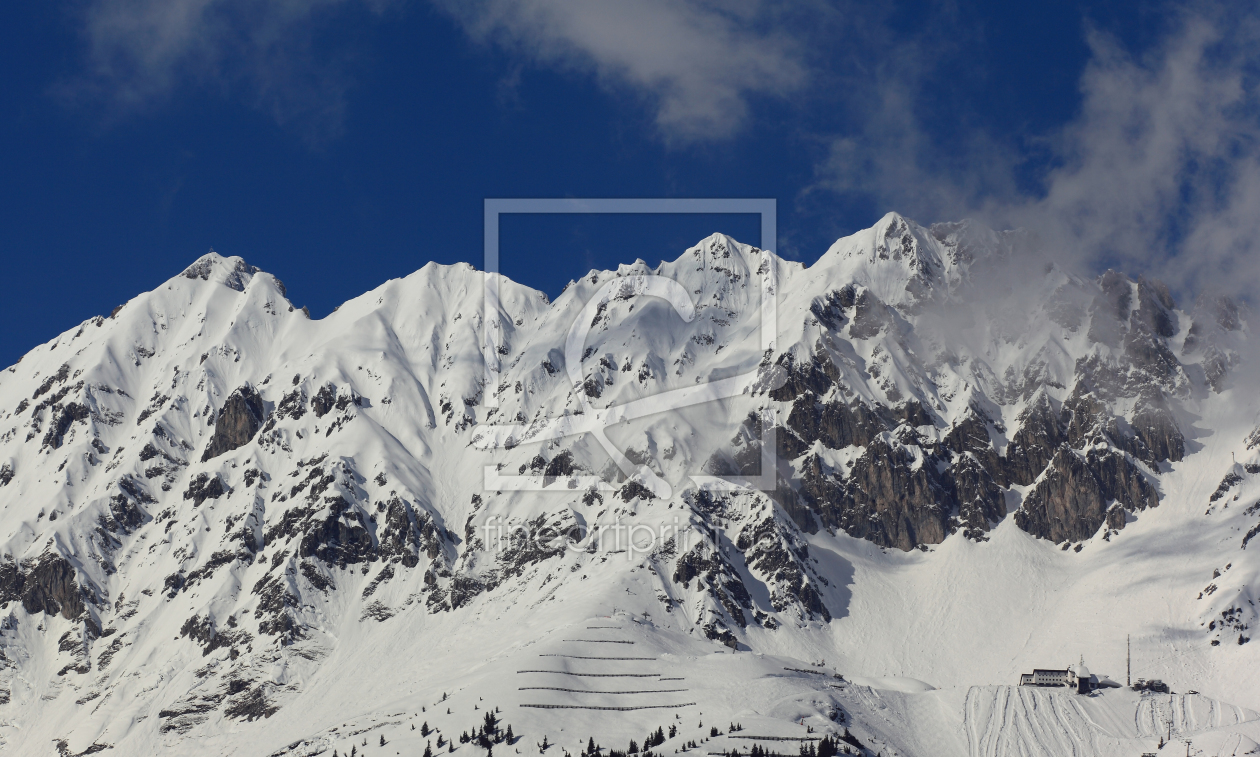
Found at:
(698, 62)
(1161, 170)
(1158, 173)
(695, 63)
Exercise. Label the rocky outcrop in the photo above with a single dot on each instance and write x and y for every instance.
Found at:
(1073, 499)
(62, 419)
(1034, 444)
(235, 277)
(892, 496)
(204, 486)
(1152, 435)
(836, 424)
(704, 564)
(407, 533)
(971, 437)
(241, 417)
(829, 309)
(1154, 426)
(870, 316)
(817, 375)
(50, 587)
(323, 401)
(341, 537)
(782, 561)
(981, 501)
(126, 507)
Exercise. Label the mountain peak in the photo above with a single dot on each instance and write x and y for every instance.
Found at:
(232, 272)
(896, 258)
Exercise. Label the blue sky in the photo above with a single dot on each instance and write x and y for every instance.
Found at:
(339, 143)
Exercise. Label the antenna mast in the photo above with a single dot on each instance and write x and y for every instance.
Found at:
(1128, 662)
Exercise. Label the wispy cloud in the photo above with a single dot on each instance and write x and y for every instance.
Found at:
(141, 52)
(697, 63)
(1157, 173)
(1161, 169)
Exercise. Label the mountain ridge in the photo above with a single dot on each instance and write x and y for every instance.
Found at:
(209, 463)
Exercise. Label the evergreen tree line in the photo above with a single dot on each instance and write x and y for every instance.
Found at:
(488, 733)
(827, 746)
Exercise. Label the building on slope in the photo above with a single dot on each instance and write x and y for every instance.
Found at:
(1048, 677)
(1073, 676)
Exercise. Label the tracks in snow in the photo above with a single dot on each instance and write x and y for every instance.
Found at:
(1003, 721)
(1022, 721)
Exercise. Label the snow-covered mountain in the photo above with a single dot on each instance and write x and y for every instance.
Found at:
(226, 528)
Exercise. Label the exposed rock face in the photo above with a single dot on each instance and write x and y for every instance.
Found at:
(241, 417)
(11, 582)
(891, 497)
(203, 487)
(971, 438)
(323, 401)
(770, 551)
(342, 537)
(816, 374)
(706, 565)
(870, 316)
(1075, 453)
(1072, 499)
(836, 424)
(63, 417)
(125, 507)
(1034, 444)
(49, 588)
(407, 534)
(981, 501)
(1154, 425)
(236, 276)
